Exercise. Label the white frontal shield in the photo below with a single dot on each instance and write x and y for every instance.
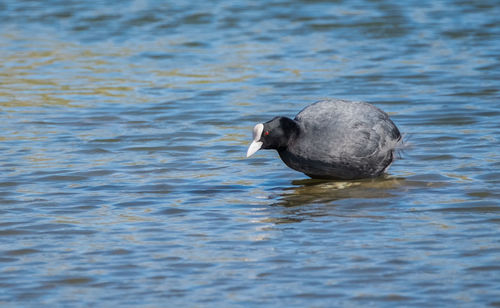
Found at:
(256, 144)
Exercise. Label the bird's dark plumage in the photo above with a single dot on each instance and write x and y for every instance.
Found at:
(332, 139)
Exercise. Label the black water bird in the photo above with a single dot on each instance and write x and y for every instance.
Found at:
(332, 139)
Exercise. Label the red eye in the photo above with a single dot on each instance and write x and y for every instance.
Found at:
(266, 133)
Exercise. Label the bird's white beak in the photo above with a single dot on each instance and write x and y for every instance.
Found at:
(254, 147)
(256, 144)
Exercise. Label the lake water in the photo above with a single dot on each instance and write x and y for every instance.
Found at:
(123, 178)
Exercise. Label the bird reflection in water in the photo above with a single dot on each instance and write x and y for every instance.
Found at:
(322, 192)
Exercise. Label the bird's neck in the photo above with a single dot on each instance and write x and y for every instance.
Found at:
(291, 129)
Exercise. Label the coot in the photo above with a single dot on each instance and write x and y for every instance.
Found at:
(332, 139)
